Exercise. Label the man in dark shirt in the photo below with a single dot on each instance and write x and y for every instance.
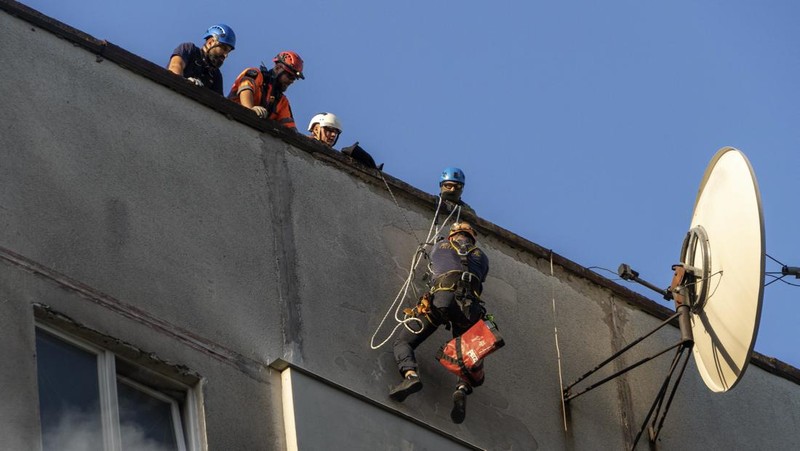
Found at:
(201, 65)
(451, 186)
(459, 269)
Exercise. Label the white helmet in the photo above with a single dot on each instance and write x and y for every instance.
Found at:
(325, 120)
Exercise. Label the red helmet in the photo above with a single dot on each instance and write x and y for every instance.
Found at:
(291, 62)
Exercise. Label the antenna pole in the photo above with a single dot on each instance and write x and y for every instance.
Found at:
(658, 420)
(683, 275)
(654, 429)
(678, 287)
(685, 324)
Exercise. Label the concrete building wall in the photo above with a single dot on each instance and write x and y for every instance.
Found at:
(141, 214)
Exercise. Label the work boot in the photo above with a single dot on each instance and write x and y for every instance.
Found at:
(459, 411)
(411, 384)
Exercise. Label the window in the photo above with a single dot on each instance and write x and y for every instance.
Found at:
(90, 399)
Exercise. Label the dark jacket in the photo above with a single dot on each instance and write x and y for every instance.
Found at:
(447, 266)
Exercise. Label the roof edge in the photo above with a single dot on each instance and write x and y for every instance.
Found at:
(134, 63)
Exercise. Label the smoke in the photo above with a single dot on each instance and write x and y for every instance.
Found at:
(133, 438)
(81, 431)
(73, 431)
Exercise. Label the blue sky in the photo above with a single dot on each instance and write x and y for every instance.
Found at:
(584, 126)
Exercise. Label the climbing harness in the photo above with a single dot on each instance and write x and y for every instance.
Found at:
(466, 285)
(425, 308)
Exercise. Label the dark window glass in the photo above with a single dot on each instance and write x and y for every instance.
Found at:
(145, 421)
(69, 395)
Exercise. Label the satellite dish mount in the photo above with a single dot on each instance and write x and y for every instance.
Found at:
(681, 290)
(717, 288)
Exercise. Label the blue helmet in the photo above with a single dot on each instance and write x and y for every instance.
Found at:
(452, 175)
(223, 33)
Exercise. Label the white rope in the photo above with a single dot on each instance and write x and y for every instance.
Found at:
(396, 305)
(402, 213)
(558, 350)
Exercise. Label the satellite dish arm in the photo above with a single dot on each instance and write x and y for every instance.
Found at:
(628, 273)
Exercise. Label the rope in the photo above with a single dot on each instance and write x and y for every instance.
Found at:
(396, 305)
(558, 350)
(402, 213)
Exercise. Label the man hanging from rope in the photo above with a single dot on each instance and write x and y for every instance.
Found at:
(459, 269)
(448, 208)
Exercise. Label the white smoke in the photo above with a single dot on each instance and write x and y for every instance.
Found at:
(80, 431)
(75, 431)
(133, 438)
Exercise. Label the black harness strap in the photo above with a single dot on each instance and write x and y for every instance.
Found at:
(463, 285)
(270, 81)
(460, 363)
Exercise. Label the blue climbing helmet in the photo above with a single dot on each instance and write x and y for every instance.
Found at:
(223, 33)
(452, 175)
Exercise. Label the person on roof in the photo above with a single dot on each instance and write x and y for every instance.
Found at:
(201, 65)
(262, 90)
(325, 127)
(459, 269)
(451, 186)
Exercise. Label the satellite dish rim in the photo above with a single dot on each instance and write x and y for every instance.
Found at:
(696, 316)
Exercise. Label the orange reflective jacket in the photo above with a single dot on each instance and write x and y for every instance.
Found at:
(264, 94)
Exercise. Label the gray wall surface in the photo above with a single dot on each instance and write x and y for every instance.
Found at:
(221, 248)
(320, 411)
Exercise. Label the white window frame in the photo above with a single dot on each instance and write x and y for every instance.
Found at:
(107, 380)
(173, 407)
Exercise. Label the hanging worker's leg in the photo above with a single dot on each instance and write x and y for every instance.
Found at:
(407, 342)
(404, 346)
(410, 385)
(468, 313)
(459, 411)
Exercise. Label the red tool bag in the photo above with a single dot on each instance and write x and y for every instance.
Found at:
(464, 354)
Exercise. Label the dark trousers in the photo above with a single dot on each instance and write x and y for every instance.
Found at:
(448, 309)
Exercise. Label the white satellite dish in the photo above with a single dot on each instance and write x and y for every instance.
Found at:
(726, 242)
(717, 288)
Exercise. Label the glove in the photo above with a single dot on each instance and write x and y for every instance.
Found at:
(195, 81)
(260, 111)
